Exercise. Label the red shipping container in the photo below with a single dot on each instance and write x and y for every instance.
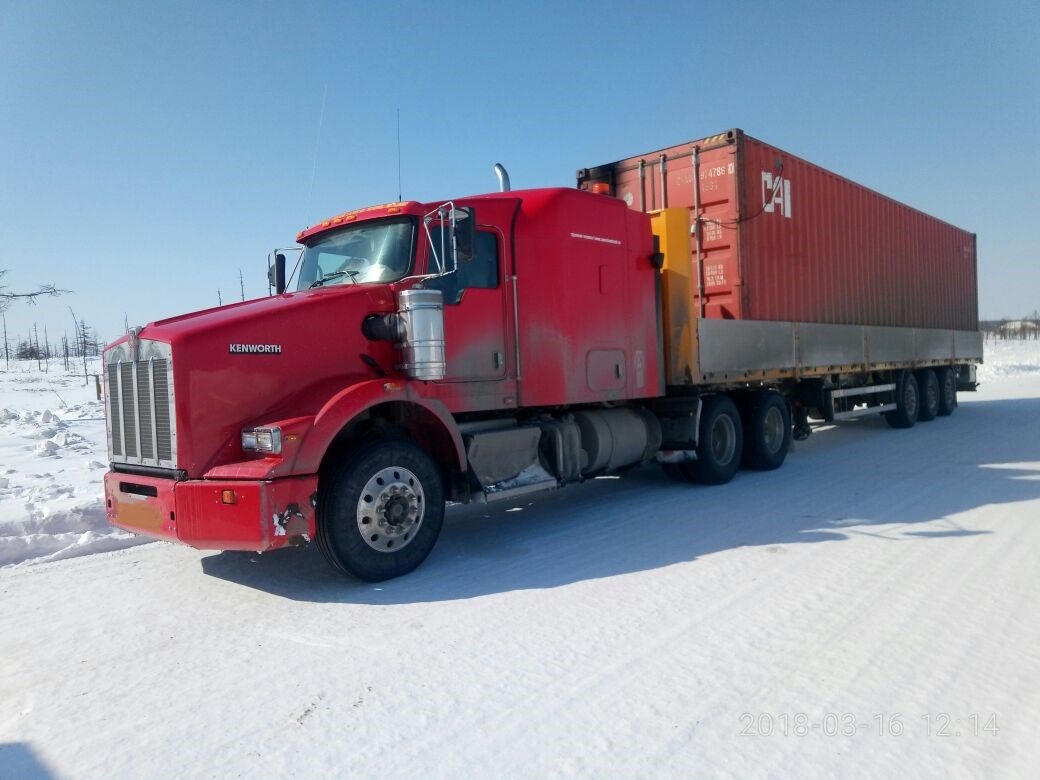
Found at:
(783, 239)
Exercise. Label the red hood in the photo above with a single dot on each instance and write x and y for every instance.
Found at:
(262, 360)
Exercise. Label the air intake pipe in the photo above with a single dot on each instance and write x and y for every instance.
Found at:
(503, 178)
(417, 329)
(420, 317)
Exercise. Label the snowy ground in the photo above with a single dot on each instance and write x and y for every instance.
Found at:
(870, 610)
(52, 458)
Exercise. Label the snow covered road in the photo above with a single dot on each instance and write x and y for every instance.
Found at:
(869, 610)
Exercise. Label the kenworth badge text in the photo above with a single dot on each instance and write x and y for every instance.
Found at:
(694, 306)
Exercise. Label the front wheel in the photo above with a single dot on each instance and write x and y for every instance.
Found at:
(380, 510)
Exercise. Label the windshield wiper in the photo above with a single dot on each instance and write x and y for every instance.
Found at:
(335, 275)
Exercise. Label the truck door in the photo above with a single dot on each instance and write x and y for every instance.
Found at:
(474, 312)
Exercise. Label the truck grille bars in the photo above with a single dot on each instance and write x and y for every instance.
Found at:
(139, 406)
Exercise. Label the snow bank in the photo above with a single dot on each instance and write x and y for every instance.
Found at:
(52, 458)
(1010, 358)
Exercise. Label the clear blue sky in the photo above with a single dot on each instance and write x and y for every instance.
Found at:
(148, 151)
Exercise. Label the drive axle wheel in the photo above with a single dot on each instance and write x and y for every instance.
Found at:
(721, 442)
(767, 431)
(380, 510)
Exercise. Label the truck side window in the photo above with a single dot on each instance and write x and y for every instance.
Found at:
(481, 271)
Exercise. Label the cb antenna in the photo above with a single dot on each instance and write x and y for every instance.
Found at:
(399, 198)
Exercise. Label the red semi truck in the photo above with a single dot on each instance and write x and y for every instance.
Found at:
(693, 306)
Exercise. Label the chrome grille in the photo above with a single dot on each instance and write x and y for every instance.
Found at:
(144, 409)
(163, 430)
(139, 405)
(128, 408)
(115, 430)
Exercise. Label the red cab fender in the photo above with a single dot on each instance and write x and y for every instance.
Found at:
(349, 403)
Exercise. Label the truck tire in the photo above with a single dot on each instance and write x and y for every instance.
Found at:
(947, 391)
(928, 384)
(720, 443)
(380, 510)
(908, 402)
(767, 431)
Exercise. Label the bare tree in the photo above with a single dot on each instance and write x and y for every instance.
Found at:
(82, 337)
(39, 352)
(7, 297)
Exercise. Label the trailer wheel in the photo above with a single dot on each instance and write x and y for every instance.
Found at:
(928, 385)
(947, 391)
(720, 442)
(767, 431)
(380, 510)
(907, 402)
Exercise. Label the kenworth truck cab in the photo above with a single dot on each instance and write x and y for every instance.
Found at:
(472, 350)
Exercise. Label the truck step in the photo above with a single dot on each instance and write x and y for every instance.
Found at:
(520, 490)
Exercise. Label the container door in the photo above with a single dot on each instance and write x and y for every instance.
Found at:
(665, 179)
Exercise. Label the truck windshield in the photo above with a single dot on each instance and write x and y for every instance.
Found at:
(369, 252)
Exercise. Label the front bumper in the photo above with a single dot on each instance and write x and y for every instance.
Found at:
(264, 515)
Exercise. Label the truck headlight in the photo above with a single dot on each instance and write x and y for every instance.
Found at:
(263, 440)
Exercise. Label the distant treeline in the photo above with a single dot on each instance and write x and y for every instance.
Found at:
(84, 343)
(1028, 328)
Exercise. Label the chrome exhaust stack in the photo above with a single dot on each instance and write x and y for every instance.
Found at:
(503, 177)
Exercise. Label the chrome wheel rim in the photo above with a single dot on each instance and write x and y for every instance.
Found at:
(723, 440)
(773, 430)
(391, 509)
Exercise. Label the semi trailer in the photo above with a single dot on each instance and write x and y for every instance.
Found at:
(693, 306)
